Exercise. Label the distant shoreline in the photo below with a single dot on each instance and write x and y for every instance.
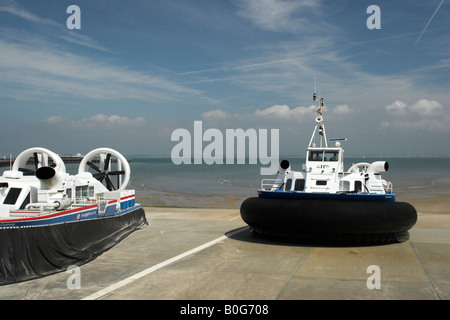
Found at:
(64, 158)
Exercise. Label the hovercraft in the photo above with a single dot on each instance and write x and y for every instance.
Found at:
(325, 203)
(50, 220)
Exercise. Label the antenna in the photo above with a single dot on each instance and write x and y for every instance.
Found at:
(320, 126)
(314, 94)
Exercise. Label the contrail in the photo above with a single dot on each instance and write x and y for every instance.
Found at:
(429, 21)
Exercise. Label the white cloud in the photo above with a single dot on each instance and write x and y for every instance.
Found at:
(426, 107)
(65, 74)
(422, 107)
(284, 112)
(46, 69)
(384, 125)
(54, 120)
(276, 15)
(218, 114)
(15, 9)
(275, 112)
(342, 109)
(114, 120)
(82, 40)
(102, 120)
(429, 125)
(61, 32)
(397, 107)
(423, 115)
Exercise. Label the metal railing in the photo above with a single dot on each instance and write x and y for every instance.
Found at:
(389, 188)
(271, 184)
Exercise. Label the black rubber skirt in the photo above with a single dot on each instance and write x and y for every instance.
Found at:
(324, 221)
(29, 253)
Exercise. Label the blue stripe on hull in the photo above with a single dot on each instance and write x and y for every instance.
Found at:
(327, 196)
(70, 216)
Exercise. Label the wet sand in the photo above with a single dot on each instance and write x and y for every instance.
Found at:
(438, 205)
(430, 201)
(155, 198)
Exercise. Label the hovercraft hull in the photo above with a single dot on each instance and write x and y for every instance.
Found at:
(51, 244)
(342, 196)
(325, 221)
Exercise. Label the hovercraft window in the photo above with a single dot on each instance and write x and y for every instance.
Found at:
(12, 196)
(299, 185)
(25, 202)
(344, 185)
(81, 191)
(84, 192)
(331, 156)
(288, 185)
(321, 182)
(315, 156)
(91, 191)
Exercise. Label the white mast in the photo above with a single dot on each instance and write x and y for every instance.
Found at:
(319, 123)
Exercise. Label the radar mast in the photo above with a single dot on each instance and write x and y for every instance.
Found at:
(320, 126)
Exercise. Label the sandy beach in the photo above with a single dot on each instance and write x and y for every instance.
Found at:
(437, 205)
(155, 198)
(429, 204)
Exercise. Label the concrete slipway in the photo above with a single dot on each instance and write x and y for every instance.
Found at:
(209, 254)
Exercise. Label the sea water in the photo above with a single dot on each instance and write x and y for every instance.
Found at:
(158, 181)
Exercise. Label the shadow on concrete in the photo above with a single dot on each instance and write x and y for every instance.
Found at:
(246, 234)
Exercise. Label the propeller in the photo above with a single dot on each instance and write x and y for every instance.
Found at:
(39, 161)
(100, 161)
(103, 175)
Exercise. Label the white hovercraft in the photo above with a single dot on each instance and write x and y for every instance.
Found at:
(50, 219)
(323, 202)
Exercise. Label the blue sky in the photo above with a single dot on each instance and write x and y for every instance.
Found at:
(137, 70)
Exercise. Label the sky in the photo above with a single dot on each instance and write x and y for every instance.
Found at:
(137, 70)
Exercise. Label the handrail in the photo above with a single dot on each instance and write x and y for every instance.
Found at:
(80, 202)
(271, 184)
(389, 187)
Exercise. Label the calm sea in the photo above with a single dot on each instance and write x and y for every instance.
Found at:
(411, 177)
(158, 181)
